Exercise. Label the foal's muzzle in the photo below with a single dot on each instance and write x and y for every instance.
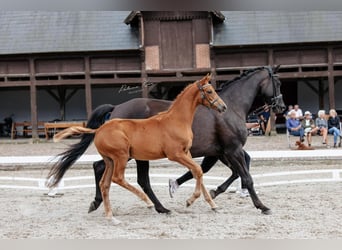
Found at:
(221, 107)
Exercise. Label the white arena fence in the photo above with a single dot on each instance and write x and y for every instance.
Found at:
(268, 179)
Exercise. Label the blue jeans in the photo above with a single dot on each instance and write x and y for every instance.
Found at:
(336, 132)
(299, 132)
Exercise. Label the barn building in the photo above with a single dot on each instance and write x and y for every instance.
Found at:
(61, 65)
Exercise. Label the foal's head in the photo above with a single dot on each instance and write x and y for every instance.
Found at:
(209, 97)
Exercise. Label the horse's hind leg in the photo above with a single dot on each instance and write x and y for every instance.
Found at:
(99, 168)
(144, 182)
(118, 177)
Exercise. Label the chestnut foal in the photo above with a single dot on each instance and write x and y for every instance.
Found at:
(167, 134)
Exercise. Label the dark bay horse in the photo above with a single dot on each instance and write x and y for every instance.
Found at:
(167, 134)
(228, 132)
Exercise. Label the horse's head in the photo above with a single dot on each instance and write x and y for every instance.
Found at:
(209, 97)
(270, 89)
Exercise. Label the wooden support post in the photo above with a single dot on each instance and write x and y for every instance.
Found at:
(272, 119)
(145, 85)
(88, 94)
(321, 94)
(33, 100)
(331, 79)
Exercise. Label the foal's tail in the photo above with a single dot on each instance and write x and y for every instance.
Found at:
(75, 130)
(69, 157)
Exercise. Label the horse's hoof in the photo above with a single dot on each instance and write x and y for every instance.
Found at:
(267, 212)
(163, 210)
(93, 206)
(188, 203)
(212, 194)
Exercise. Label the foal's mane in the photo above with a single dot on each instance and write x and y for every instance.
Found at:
(177, 98)
(244, 74)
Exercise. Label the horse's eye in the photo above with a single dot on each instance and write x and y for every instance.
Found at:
(209, 91)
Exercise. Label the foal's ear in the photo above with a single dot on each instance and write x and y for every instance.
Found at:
(208, 77)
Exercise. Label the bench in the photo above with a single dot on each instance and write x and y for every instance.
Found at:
(52, 128)
(26, 128)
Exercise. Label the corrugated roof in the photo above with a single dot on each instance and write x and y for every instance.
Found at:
(41, 31)
(270, 27)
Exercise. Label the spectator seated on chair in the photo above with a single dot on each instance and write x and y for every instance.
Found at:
(322, 125)
(294, 126)
(334, 126)
(287, 112)
(309, 126)
(299, 112)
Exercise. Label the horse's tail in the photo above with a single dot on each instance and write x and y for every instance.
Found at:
(68, 158)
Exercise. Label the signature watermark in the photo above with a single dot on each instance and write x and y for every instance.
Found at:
(129, 89)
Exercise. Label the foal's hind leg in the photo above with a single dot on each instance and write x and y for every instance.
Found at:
(118, 177)
(105, 186)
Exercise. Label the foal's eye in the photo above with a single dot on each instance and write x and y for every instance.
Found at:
(209, 91)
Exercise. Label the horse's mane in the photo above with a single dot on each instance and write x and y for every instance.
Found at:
(245, 74)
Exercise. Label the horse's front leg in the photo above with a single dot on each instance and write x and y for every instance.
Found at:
(187, 161)
(224, 186)
(239, 164)
(144, 182)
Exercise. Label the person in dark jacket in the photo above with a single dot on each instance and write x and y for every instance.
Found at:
(334, 126)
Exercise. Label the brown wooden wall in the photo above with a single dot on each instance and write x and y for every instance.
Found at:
(177, 42)
(175, 49)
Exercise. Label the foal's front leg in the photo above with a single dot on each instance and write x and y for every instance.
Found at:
(187, 161)
(118, 177)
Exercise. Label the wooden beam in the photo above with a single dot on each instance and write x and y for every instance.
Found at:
(33, 100)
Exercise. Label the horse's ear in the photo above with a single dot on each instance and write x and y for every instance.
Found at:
(208, 76)
(275, 69)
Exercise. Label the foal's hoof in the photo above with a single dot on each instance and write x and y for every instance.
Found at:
(115, 221)
(93, 206)
(266, 211)
(150, 205)
(214, 209)
(188, 203)
(212, 194)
